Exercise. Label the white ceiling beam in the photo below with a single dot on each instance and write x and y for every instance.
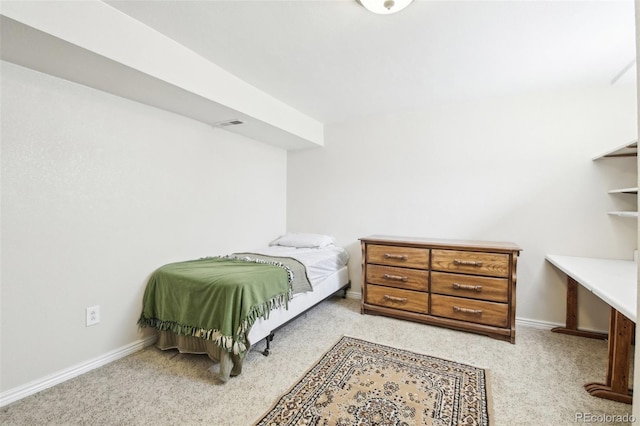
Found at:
(96, 45)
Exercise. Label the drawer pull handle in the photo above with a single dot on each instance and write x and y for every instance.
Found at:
(396, 256)
(395, 278)
(457, 286)
(467, 263)
(467, 310)
(395, 299)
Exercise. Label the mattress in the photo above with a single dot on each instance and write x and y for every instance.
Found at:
(301, 302)
(319, 262)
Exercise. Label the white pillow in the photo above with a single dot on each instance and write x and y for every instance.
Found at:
(304, 241)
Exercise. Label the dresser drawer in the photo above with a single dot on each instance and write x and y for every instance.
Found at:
(478, 311)
(392, 276)
(408, 257)
(396, 298)
(470, 262)
(471, 286)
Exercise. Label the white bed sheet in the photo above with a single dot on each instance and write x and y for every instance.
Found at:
(299, 303)
(319, 262)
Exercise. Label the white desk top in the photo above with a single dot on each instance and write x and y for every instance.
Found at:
(614, 281)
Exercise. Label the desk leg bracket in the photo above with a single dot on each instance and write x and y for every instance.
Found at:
(616, 387)
(571, 327)
(601, 390)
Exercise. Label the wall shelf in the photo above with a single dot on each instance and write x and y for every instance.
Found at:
(627, 150)
(624, 191)
(624, 214)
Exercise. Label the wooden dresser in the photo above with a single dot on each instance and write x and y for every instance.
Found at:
(466, 285)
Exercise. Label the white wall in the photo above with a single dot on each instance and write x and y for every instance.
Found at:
(517, 169)
(97, 192)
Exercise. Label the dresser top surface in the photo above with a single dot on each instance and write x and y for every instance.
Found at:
(443, 243)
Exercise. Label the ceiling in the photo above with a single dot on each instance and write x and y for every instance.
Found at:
(335, 61)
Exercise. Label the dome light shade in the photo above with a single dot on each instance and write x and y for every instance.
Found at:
(384, 7)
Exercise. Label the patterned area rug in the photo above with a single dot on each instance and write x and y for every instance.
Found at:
(362, 383)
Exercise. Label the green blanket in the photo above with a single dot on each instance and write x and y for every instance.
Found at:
(216, 299)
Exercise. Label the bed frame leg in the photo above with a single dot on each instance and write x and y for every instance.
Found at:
(345, 289)
(268, 339)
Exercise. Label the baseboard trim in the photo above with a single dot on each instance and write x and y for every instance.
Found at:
(545, 325)
(15, 394)
(354, 295)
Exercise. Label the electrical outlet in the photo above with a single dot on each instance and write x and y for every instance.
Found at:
(93, 315)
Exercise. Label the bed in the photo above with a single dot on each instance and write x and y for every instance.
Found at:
(223, 305)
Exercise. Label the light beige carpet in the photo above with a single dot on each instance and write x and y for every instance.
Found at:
(363, 383)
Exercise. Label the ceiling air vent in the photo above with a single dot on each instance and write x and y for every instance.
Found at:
(228, 123)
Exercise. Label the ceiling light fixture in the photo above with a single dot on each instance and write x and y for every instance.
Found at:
(384, 7)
